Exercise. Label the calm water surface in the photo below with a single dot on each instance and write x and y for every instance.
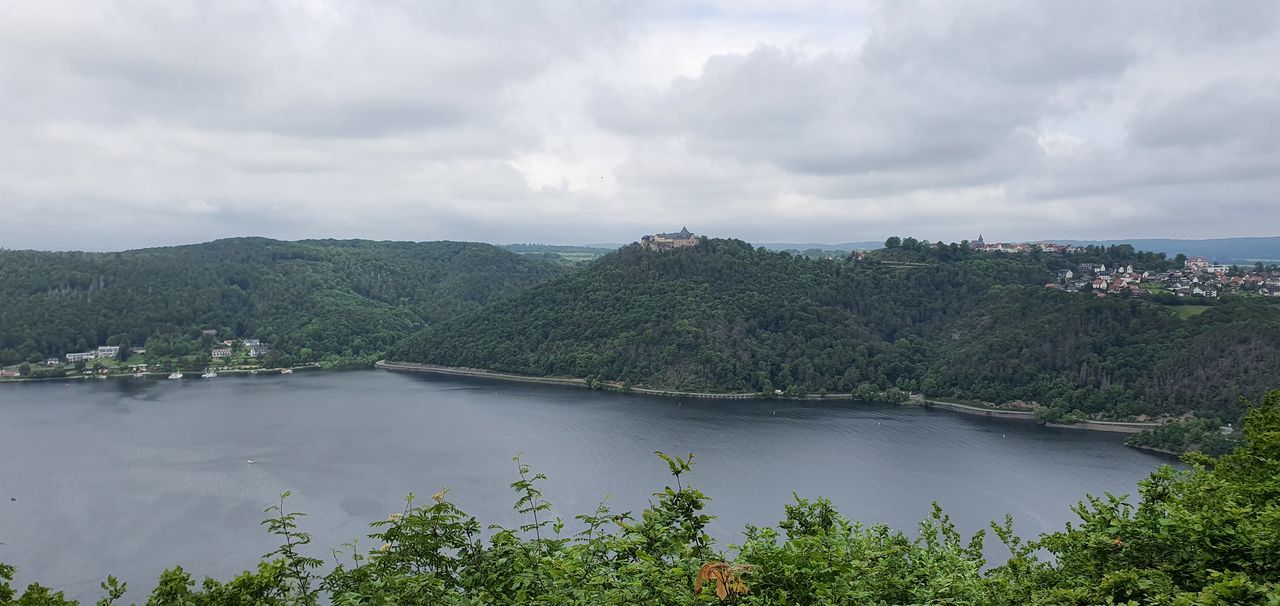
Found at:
(128, 477)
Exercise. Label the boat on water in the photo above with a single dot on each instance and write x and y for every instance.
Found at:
(286, 371)
(209, 374)
(176, 375)
(251, 461)
(139, 375)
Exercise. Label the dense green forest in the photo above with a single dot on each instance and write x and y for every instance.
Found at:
(914, 316)
(1207, 536)
(941, 319)
(311, 298)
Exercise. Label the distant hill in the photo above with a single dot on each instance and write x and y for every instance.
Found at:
(557, 248)
(338, 297)
(558, 253)
(1218, 250)
(953, 323)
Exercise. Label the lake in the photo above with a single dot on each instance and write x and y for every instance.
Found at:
(128, 477)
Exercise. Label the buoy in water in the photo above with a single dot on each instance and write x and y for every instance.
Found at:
(251, 461)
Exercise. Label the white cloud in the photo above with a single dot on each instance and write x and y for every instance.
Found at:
(144, 122)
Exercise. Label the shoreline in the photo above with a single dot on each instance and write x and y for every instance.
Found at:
(1156, 450)
(562, 381)
(194, 374)
(1125, 427)
(915, 399)
(1121, 427)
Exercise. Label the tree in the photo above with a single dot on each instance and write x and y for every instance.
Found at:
(319, 295)
(893, 242)
(24, 369)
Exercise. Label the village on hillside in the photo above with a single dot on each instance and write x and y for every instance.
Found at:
(1023, 247)
(1197, 277)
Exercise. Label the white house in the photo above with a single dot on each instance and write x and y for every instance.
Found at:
(81, 356)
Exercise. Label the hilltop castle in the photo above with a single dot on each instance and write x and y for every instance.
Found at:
(680, 239)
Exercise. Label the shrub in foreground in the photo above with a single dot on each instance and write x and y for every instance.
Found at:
(1206, 536)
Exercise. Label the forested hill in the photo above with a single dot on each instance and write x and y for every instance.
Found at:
(724, 316)
(348, 297)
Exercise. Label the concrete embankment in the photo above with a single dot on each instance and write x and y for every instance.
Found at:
(1155, 449)
(476, 372)
(567, 381)
(1111, 426)
(996, 413)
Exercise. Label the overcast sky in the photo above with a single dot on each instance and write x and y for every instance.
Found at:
(127, 124)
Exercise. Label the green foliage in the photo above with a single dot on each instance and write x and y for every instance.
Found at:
(1113, 358)
(349, 298)
(1206, 536)
(294, 568)
(916, 317)
(1210, 535)
(720, 316)
(1186, 436)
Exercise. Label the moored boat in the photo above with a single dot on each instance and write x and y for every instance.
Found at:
(175, 375)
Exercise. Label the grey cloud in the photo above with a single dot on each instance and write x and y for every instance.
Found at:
(1230, 112)
(917, 95)
(262, 67)
(946, 99)
(1002, 43)
(157, 122)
